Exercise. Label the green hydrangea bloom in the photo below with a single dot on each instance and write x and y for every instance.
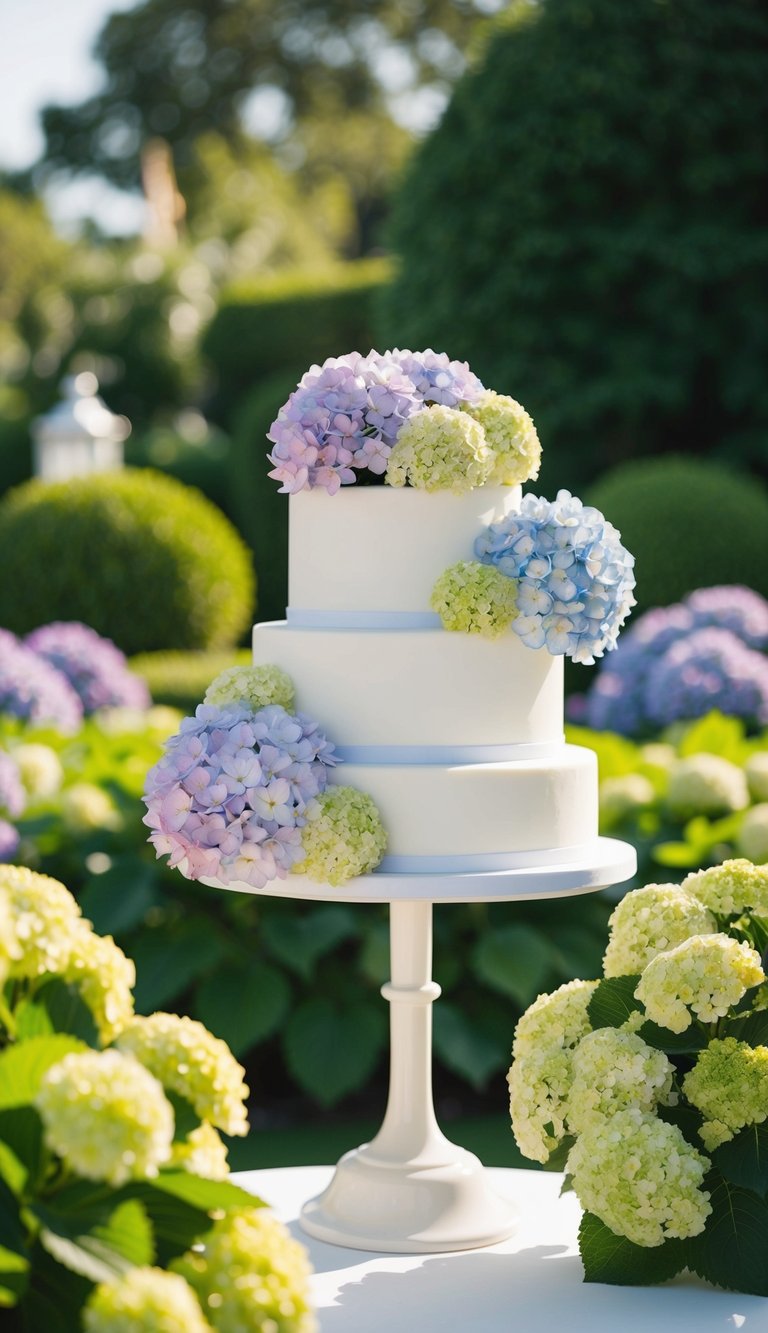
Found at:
(623, 796)
(249, 1274)
(558, 1019)
(440, 449)
(752, 838)
(9, 944)
(736, 886)
(640, 1177)
(650, 921)
(40, 768)
(145, 1300)
(104, 977)
(106, 1116)
(202, 1153)
(541, 1073)
(755, 771)
(613, 1070)
(257, 686)
(343, 837)
(189, 1060)
(729, 1085)
(474, 598)
(511, 434)
(706, 784)
(45, 916)
(703, 976)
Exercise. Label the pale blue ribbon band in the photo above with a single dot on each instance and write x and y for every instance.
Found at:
(481, 862)
(312, 619)
(447, 755)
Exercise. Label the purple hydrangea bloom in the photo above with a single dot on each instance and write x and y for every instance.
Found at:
(709, 669)
(229, 798)
(94, 666)
(345, 415)
(33, 690)
(616, 701)
(9, 841)
(574, 578)
(13, 798)
(735, 608)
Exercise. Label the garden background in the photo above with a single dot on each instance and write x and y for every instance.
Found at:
(568, 194)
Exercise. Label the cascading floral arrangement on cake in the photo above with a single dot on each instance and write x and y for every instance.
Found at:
(364, 728)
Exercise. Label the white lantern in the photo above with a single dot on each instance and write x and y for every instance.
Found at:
(79, 435)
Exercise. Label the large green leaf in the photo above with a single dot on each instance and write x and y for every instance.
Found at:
(99, 1241)
(300, 941)
(744, 1160)
(613, 1002)
(21, 1135)
(14, 1260)
(209, 1195)
(168, 961)
(244, 1004)
(22, 1067)
(715, 734)
(332, 1050)
(614, 1259)
(674, 1043)
(731, 1251)
(464, 1047)
(120, 898)
(57, 1007)
(753, 1028)
(514, 960)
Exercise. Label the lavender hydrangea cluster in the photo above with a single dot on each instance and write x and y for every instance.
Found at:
(574, 578)
(229, 798)
(94, 666)
(33, 690)
(669, 667)
(344, 417)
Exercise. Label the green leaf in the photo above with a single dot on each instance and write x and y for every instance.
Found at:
(55, 1297)
(176, 1225)
(244, 1004)
(731, 1250)
(743, 1160)
(13, 1173)
(676, 855)
(674, 1043)
(120, 898)
(464, 1048)
(332, 1050)
(22, 1067)
(208, 1195)
(21, 1132)
(100, 1238)
(715, 734)
(300, 941)
(185, 1116)
(613, 1001)
(559, 1155)
(616, 1260)
(687, 1119)
(752, 1028)
(514, 960)
(65, 1011)
(14, 1276)
(168, 961)
(32, 1020)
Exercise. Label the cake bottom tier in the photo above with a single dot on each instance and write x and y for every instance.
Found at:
(481, 816)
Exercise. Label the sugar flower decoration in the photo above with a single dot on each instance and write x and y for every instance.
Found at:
(440, 449)
(729, 1085)
(343, 837)
(511, 434)
(253, 686)
(230, 795)
(574, 578)
(651, 921)
(702, 978)
(734, 887)
(475, 598)
(106, 1116)
(144, 1300)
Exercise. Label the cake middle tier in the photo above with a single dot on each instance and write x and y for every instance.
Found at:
(418, 687)
(488, 816)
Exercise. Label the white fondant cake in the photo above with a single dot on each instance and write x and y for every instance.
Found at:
(458, 739)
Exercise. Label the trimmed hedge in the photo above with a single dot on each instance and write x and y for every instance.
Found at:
(689, 523)
(141, 558)
(181, 679)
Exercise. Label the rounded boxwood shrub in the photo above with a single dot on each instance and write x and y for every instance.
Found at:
(141, 558)
(689, 524)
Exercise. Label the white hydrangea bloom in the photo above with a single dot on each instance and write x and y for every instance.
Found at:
(440, 449)
(650, 921)
(640, 1177)
(106, 1116)
(622, 796)
(86, 808)
(752, 839)
(613, 1070)
(257, 686)
(46, 918)
(104, 977)
(729, 1085)
(735, 886)
(145, 1300)
(540, 1077)
(511, 434)
(41, 769)
(557, 1019)
(706, 784)
(702, 977)
(9, 944)
(756, 773)
(202, 1153)
(189, 1060)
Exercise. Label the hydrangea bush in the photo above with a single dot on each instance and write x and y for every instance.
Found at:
(649, 1087)
(94, 666)
(115, 1209)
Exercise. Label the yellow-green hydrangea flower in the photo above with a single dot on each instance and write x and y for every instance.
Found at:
(9, 944)
(104, 977)
(706, 784)
(440, 449)
(702, 977)
(86, 808)
(558, 1019)
(511, 434)
(729, 1085)
(41, 769)
(189, 1060)
(755, 771)
(343, 837)
(249, 1274)
(640, 1177)
(475, 599)
(623, 796)
(257, 686)
(202, 1153)
(613, 1070)
(650, 921)
(736, 886)
(106, 1116)
(145, 1300)
(752, 838)
(45, 917)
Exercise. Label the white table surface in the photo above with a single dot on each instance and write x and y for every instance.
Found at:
(531, 1283)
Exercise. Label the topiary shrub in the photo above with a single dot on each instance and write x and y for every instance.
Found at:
(139, 557)
(688, 523)
(181, 679)
(604, 257)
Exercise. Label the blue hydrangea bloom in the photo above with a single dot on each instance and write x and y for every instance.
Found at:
(738, 609)
(574, 577)
(709, 669)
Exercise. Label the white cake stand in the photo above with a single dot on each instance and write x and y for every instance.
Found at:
(410, 1190)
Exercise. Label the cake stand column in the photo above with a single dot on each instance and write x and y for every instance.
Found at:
(410, 1190)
